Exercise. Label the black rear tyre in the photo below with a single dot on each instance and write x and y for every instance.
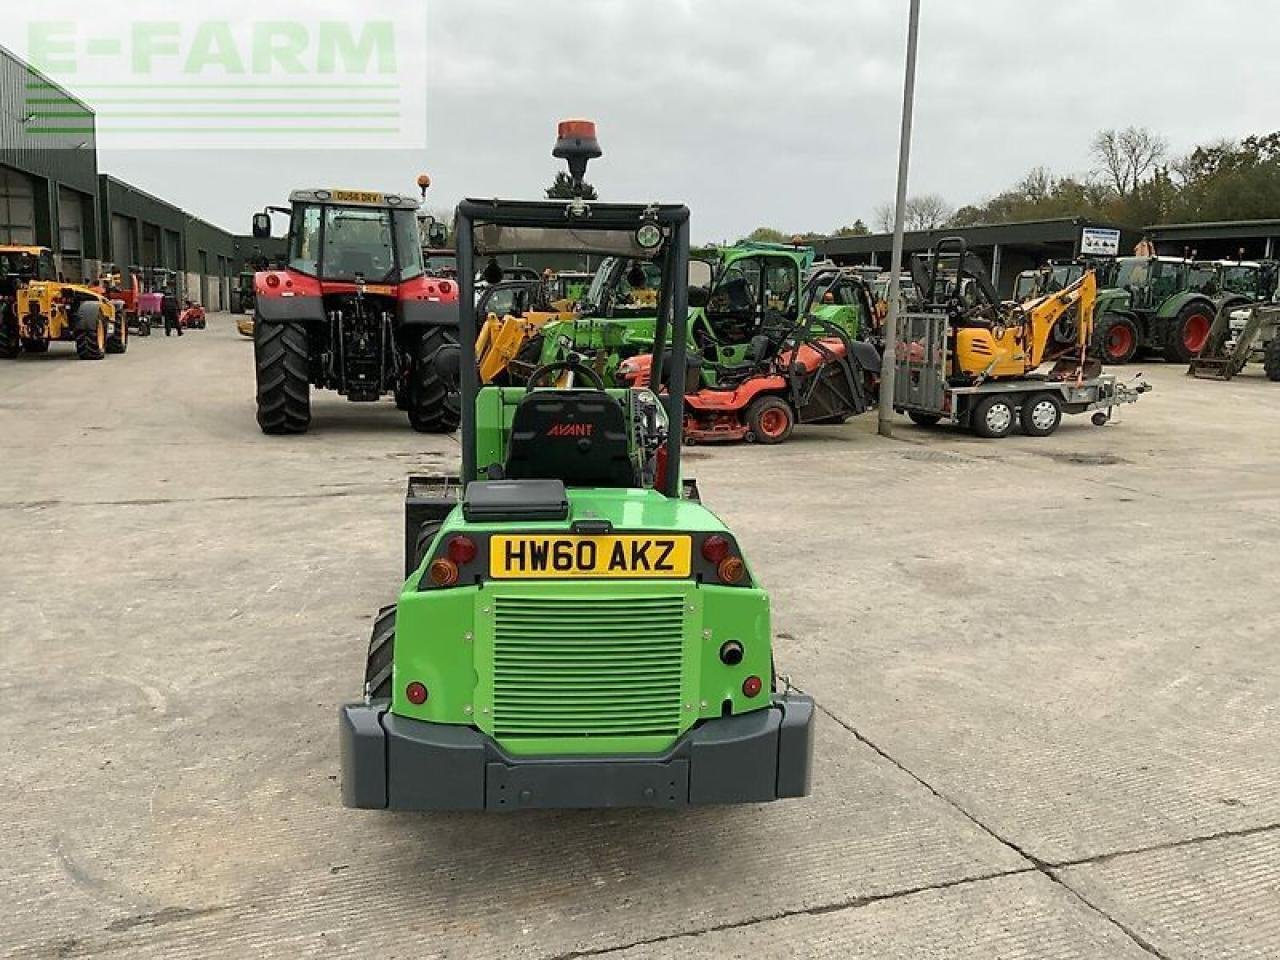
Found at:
(118, 342)
(9, 342)
(770, 420)
(1271, 359)
(433, 407)
(1115, 339)
(922, 419)
(382, 650)
(91, 344)
(1188, 333)
(284, 389)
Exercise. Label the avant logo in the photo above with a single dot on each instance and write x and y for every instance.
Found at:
(571, 430)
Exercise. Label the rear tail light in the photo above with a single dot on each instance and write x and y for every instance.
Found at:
(443, 572)
(461, 550)
(272, 280)
(752, 686)
(715, 548)
(446, 286)
(731, 570)
(416, 693)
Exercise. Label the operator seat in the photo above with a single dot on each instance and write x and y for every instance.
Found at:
(577, 436)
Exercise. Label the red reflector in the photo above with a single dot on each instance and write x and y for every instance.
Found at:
(443, 573)
(731, 570)
(752, 686)
(715, 548)
(417, 693)
(273, 280)
(446, 286)
(462, 550)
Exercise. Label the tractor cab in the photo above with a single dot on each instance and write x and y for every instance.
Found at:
(21, 265)
(575, 629)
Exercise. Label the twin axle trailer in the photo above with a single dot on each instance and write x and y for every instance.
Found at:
(992, 408)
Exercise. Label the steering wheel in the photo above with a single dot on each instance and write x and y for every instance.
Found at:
(573, 366)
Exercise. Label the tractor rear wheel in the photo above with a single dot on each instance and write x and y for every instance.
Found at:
(382, 651)
(1188, 333)
(922, 419)
(769, 420)
(993, 416)
(1271, 358)
(281, 355)
(1041, 414)
(1115, 341)
(9, 341)
(433, 407)
(92, 344)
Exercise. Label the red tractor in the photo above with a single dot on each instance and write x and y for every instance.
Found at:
(812, 372)
(353, 310)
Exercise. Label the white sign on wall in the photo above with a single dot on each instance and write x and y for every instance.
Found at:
(1099, 242)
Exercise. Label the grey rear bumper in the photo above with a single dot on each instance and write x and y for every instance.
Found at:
(394, 763)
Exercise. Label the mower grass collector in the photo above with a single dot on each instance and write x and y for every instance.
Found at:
(576, 629)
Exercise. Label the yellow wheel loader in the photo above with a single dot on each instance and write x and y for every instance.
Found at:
(512, 314)
(37, 309)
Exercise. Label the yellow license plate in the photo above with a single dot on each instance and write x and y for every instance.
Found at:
(357, 196)
(582, 556)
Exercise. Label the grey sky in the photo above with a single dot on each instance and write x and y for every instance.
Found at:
(776, 112)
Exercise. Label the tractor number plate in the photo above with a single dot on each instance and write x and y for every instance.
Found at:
(580, 556)
(356, 196)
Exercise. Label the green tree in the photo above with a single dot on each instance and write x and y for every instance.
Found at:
(768, 235)
(562, 188)
(855, 229)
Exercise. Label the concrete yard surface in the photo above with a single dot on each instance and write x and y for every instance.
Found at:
(1047, 671)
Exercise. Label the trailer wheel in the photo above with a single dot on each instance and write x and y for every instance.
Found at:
(770, 419)
(433, 407)
(1271, 359)
(1041, 414)
(382, 650)
(993, 417)
(281, 356)
(1116, 339)
(92, 344)
(9, 340)
(922, 419)
(1188, 333)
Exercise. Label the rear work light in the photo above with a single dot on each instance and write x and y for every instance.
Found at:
(443, 572)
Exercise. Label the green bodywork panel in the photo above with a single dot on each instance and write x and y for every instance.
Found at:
(607, 341)
(445, 637)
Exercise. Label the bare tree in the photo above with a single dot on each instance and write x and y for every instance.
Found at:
(883, 217)
(925, 212)
(1127, 156)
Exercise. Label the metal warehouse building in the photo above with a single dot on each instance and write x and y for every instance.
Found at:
(48, 181)
(1005, 248)
(1226, 239)
(52, 195)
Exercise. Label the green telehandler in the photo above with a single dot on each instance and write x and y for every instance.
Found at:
(575, 629)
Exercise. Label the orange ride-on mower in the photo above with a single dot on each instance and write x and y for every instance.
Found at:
(813, 374)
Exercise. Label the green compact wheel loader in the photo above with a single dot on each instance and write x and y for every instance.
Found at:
(576, 629)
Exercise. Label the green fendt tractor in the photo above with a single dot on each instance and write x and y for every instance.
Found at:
(1167, 305)
(576, 629)
(734, 292)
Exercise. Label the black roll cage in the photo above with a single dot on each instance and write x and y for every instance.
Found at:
(582, 218)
